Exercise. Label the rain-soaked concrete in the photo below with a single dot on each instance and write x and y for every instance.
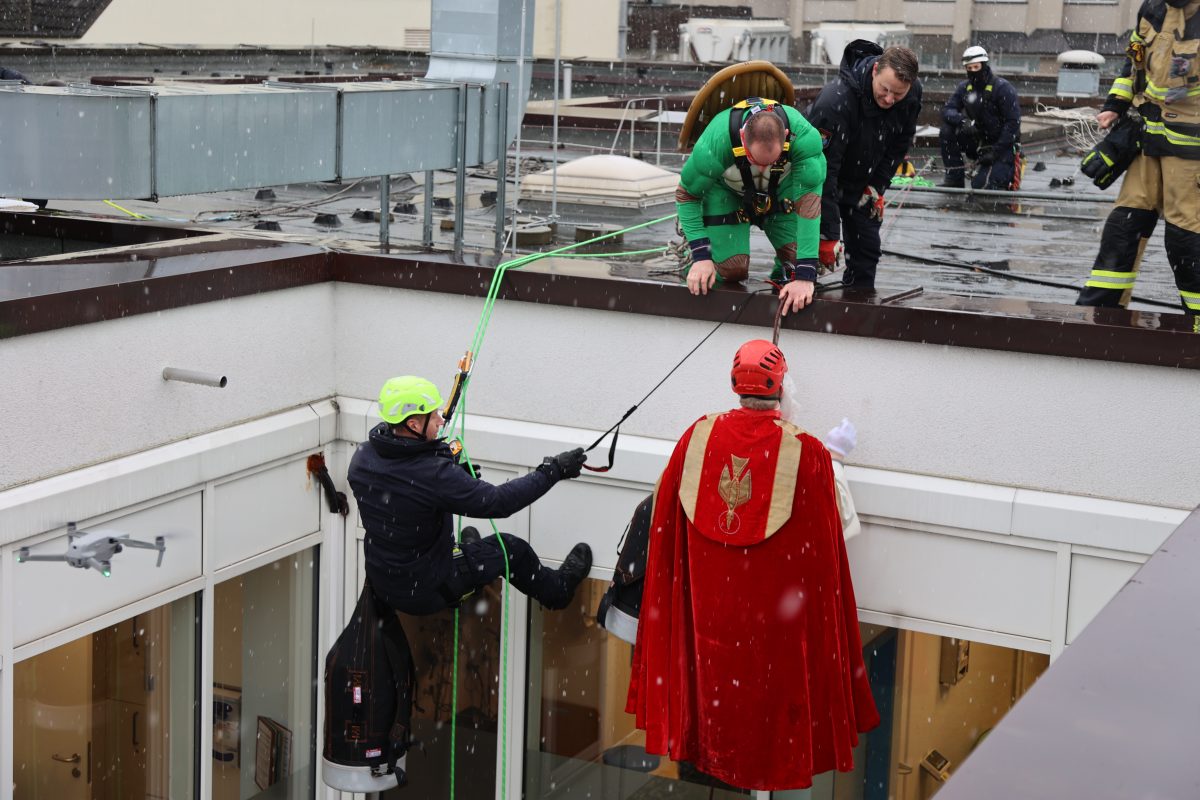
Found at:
(1052, 241)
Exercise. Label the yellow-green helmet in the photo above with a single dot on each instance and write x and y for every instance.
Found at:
(407, 396)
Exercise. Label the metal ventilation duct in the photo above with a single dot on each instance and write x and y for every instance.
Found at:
(95, 143)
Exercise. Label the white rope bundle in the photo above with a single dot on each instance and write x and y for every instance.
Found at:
(1081, 129)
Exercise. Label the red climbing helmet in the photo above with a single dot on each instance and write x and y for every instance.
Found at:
(758, 369)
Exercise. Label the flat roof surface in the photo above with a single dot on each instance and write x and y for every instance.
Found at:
(1048, 240)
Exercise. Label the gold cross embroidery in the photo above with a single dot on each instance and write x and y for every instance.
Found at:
(734, 486)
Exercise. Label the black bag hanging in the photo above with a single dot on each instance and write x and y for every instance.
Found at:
(1106, 162)
(368, 700)
(622, 602)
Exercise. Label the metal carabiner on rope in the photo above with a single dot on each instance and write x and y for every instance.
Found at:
(460, 384)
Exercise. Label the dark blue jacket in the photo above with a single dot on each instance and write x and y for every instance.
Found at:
(7, 74)
(992, 103)
(866, 142)
(407, 492)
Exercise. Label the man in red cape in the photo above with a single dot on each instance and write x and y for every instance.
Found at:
(748, 661)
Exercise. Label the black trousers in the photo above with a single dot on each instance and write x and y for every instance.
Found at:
(860, 236)
(479, 564)
(1153, 186)
(999, 175)
(483, 562)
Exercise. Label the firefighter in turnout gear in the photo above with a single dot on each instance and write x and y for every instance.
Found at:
(981, 120)
(1161, 80)
(758, 163)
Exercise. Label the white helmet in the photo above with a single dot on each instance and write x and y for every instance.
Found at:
(974, 55)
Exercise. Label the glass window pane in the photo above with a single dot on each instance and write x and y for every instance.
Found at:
(112, 714)
(581, 743)
(264, 681)
(476, 713)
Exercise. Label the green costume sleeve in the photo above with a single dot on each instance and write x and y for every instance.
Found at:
(711, 156)
(808, 181)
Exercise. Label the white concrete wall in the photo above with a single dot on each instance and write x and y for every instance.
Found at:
(1080, 427)
(87, 394)
(263, 22)
(589, 30)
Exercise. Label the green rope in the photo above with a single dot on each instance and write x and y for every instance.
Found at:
(915, 180)
(615, 255)
(477, 344)
(517, 263)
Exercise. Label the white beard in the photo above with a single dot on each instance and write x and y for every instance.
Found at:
(789, 407)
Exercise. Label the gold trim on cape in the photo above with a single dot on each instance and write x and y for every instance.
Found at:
(693, 465)
(787, 468)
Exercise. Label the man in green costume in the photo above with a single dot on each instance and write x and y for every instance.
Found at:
(758, 163)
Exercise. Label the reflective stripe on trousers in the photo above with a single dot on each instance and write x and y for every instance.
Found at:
(1152, 186)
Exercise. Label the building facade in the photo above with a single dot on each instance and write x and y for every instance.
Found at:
(1024, 35)
(201, 677)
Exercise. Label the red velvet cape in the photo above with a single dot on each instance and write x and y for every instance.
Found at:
(748, 660)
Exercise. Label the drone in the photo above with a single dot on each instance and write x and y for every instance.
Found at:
(95, 549)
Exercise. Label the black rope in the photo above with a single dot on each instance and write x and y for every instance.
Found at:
(615, 430)
(945, 262)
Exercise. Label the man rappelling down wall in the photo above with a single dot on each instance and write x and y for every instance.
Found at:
(408, 487)
(757, 163)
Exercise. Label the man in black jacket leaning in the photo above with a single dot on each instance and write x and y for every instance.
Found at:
(868, 116)
(409, 486)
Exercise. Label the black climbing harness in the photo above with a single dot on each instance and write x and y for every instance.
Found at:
(756, 205)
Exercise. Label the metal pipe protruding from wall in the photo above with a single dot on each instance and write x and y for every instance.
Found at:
(192, 376)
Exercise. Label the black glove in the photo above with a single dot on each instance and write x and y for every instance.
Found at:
(563, 465)
(967, 130)
(987, 156)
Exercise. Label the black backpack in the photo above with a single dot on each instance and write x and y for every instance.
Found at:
(369, 681)
(622, 602)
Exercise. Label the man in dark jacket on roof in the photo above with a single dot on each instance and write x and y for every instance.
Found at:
(982, 120)
(409, 486)
(868, 116)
